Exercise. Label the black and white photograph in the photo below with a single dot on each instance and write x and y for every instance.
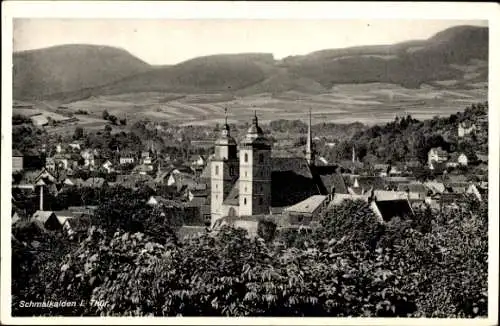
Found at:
(195, 166)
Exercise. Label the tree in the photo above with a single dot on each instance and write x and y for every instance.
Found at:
(113, 119)
(79, 133)
(108, 129)
(105, 114)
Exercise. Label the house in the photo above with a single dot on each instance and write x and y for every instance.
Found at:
(389, 195)
(415, 191)
(46, 176)
(197, 190)
(73, 182)
(133, 180)
(39, 120)
(158, 201)
(364, 184)
(88, 158)
(465, 129)
(61, 161)
(482, 158)
(143, 169)
(394, 170)
(463, 189)
(127, 160)
(306, 210)
(77, 226)
(198, 160)
(108, 166)
(48, 219)
(95, 183)
(75, 146)
(436, 155)
(17, 161)
(381, 169)
(457, 159)
(385, 210)
(189, 231)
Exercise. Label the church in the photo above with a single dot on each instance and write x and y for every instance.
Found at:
(249, 180)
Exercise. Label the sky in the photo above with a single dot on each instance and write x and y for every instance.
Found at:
(160, 41)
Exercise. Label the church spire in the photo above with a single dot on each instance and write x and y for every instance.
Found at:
(309, 149)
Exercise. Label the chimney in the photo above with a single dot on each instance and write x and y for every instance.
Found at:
(309, 146)
(41, 197)
(332, 194)
(372, 196)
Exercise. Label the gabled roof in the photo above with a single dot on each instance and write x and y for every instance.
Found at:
(339, 198)
(95, 182)
(368, 182)
(16, 152)
(383, 195)
(307, 206)
(435, 186)
(79, 223)
(393, 208)
(206, 173)
(197, 201)
(233, 196)
(413, 187)
(439, 151)
(334, 180)
(42, 216)
(291, 181)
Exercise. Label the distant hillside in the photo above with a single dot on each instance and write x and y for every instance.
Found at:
(456, 57)
(409, 64)
(217, 73)
(66, 68)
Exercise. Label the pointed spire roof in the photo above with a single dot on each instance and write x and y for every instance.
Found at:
(255, 135)
(309, 149)
(225, 138)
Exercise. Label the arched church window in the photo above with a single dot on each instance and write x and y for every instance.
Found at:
(260, 201)
(261, 158)
(246, 157)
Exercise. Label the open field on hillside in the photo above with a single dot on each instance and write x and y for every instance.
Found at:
(368, 103)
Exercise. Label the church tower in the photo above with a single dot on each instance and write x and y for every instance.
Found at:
(309, 145)
(223, 170)
(255, 172)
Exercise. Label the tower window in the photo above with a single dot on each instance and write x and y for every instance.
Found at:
(261, 158)
(246, 173)
(244, 201)
(216, 170)
(231, 171)
(246, 157)
(260, 201)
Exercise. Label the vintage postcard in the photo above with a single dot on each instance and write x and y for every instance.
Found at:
(249, 163)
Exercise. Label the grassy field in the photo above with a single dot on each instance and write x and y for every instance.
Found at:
(368, 103)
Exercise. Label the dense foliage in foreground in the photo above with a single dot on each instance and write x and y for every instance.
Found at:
(348, 266)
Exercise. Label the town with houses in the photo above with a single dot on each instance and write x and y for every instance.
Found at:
(240, 182)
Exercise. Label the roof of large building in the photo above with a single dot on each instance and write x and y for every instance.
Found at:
(42, 216)
(334, 180)
(413, 187)
(307, 206)
(390, 195)
(393, 208)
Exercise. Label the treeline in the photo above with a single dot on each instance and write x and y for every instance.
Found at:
(410, 139)
(434, 265)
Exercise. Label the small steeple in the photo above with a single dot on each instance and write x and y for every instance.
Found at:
(309, 149)
(225, 128)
